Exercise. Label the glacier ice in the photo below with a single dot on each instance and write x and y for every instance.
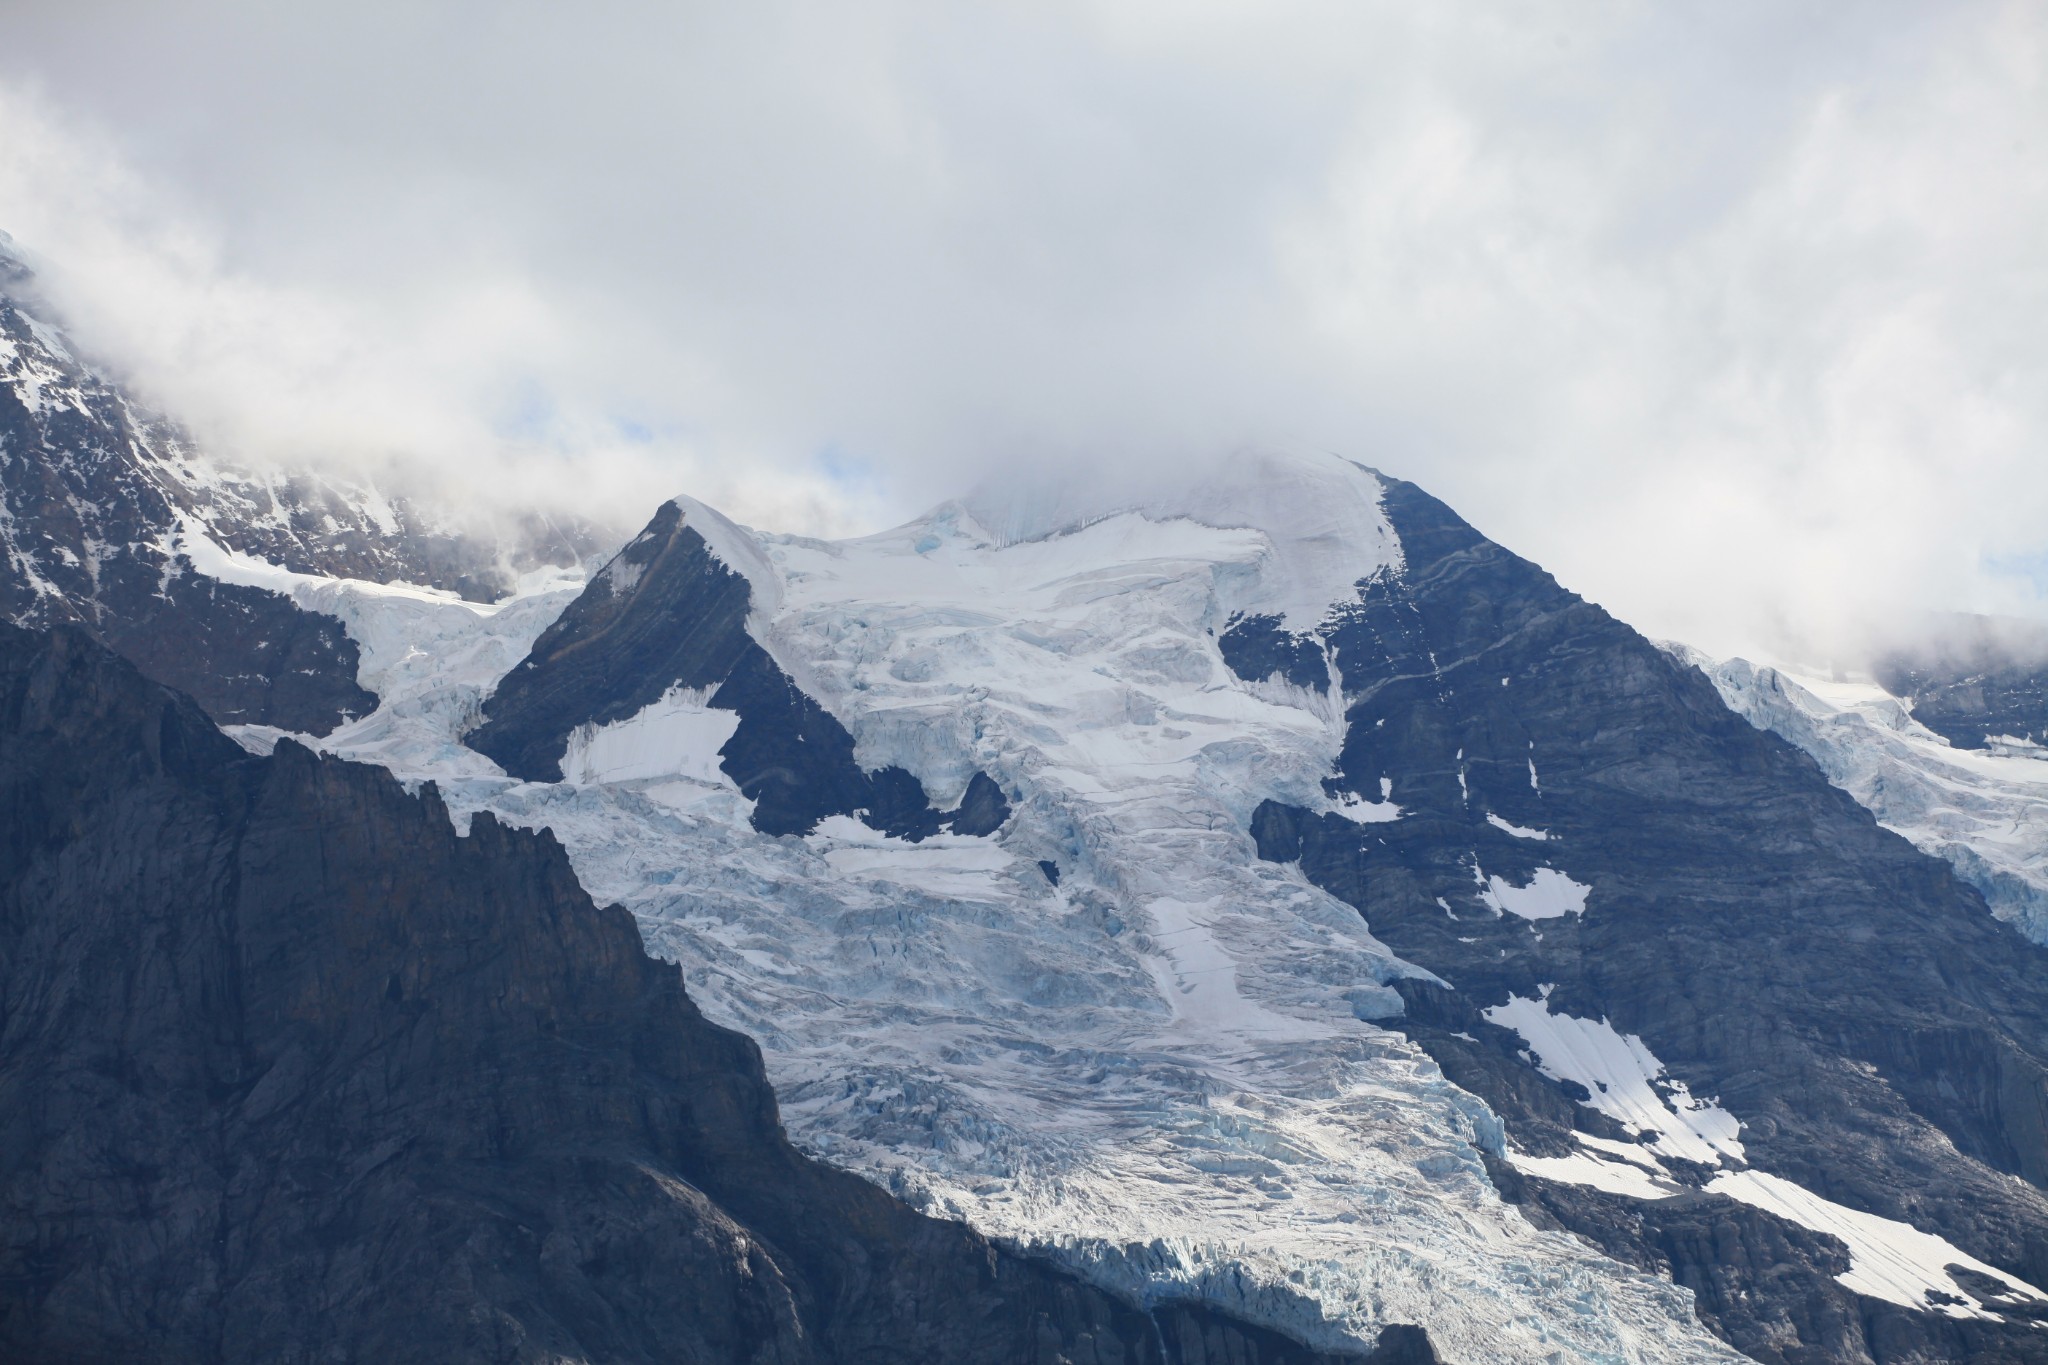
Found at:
(1985, 813)
(1164, 1069)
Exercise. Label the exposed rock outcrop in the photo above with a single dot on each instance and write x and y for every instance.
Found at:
(1881, 1037)
(669, 612)
(1974, 680)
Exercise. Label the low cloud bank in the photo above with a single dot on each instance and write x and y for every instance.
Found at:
(1729, 317)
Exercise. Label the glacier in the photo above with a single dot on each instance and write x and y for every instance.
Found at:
(1983, 811)
(1166, 1069)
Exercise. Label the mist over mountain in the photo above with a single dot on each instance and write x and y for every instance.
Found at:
(1725, 315)
(1059, 685)
(1285, 923)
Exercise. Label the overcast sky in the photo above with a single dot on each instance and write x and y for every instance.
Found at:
(1733, 315)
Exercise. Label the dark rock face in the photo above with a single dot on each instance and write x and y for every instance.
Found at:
(668, 613)
(290, 1071)
(1192, 1334)
(92, 495)
(1970, 678)
(1883, 1040)
(1259, 647)
(983, 808)
(89, 513)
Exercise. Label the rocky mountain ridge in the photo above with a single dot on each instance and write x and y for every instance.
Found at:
(102, 501)
(1592, 850)
(1983, 812)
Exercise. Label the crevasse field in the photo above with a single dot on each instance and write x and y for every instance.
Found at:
(1164, 1067)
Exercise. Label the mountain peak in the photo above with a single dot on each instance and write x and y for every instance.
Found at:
(1321, 514)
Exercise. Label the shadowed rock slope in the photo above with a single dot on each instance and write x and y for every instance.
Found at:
(1882, 1039)
(90, 506)
(1974, 680)
(290, 1071)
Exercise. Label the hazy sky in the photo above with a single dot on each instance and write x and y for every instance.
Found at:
(1733, 315)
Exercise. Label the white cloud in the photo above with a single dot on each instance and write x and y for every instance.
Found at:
(1727, 314)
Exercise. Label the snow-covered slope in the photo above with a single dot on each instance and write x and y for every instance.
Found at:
(1146, 1024)
(1164, 1066)
(1982, 810)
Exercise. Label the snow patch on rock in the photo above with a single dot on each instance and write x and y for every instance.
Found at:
(678, 736)
(1550, 894)
(1354, 807)
(1597, 1171)
(1625, 1078)
(1889, 1260)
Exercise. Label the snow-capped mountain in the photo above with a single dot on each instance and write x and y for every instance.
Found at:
(1360, 929)
(103, 506)
(1257, 888)
(1101, 1028)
